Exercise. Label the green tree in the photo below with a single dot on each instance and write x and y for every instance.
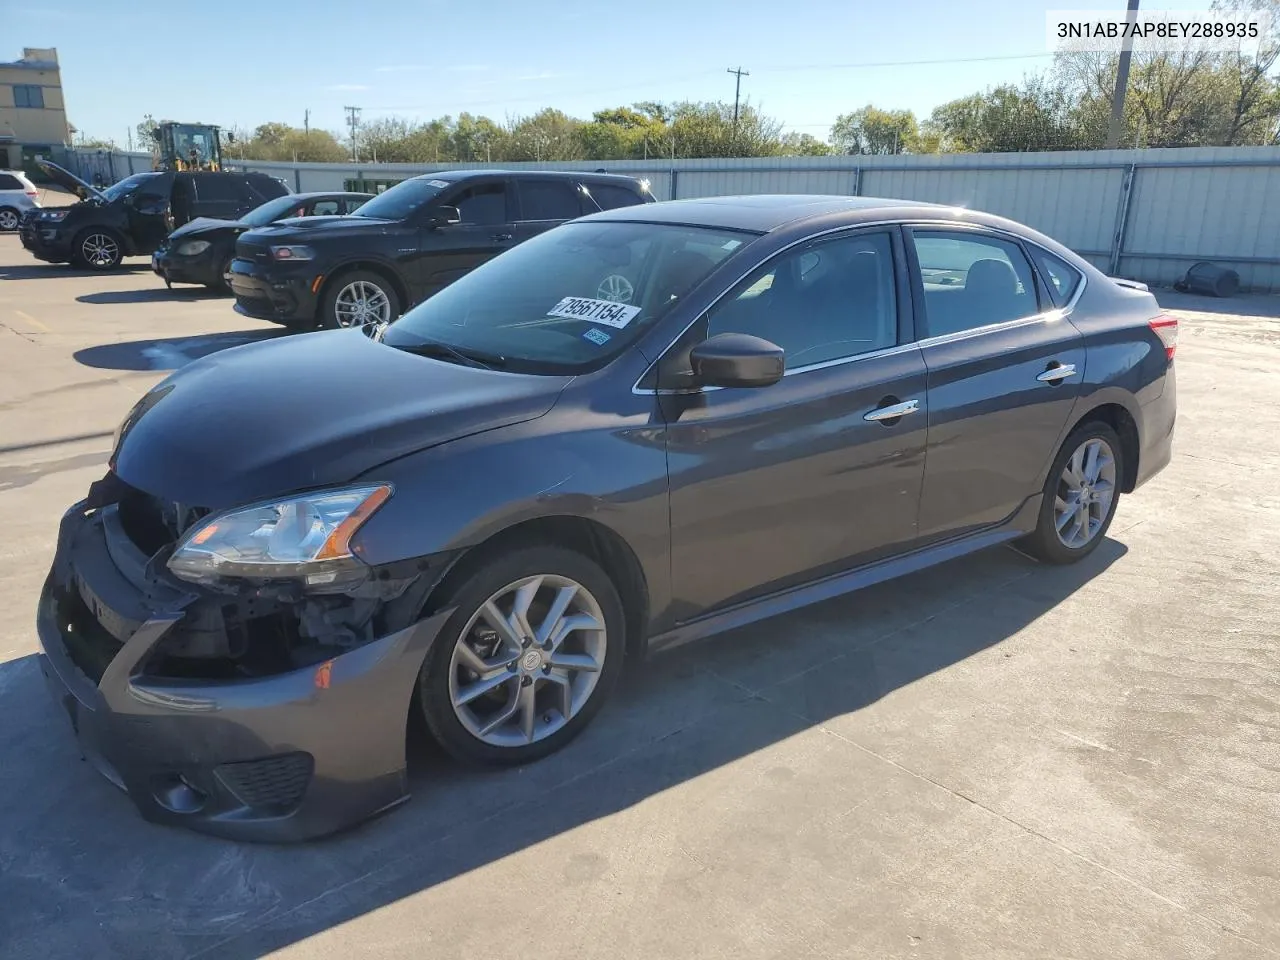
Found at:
(547, 135)
(803, 145)
(874, 131)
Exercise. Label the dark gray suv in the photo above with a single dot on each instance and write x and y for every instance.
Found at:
(646, 426)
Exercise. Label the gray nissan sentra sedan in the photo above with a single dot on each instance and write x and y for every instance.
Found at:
(644, 427)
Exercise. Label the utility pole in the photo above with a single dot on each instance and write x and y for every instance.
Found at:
(1116, 126)
(129, 131)
(306, 123)
(353, 121)
(738, 73)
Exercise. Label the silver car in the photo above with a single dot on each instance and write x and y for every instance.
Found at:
(17, 194)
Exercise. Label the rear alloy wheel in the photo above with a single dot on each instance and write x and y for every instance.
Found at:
(531, 654)
(98, 250)
(1080, 496)
(359, 298)
(8, 218)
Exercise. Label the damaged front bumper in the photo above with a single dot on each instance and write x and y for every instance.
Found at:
(286, 756)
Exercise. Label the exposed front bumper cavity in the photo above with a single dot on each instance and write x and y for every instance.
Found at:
(284, 756)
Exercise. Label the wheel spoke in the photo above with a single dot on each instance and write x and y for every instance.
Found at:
(474, 691)
(579, 621)
(1067, 515)
(528, 711)
(575, 661)
(480, 666)
(564, 686)
(1092, 449)
(505, 714)
(494, 618)
(551, 622)
(520, 608)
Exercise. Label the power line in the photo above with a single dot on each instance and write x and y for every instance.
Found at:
(702, 74)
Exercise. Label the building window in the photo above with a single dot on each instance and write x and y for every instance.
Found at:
(28, 95)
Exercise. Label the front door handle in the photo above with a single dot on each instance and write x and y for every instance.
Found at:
(893, 411)
(1057, 374)
(500, 237)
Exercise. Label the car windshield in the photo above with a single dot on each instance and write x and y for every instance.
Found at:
(271, 211)
(126, 186)
(568, 300)
(402, 199)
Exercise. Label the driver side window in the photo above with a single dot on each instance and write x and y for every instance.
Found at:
(483, 203)
(824, 301)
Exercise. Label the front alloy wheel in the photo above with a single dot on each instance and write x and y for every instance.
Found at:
(530, 654)
(360, 302)
(527, 661)
(99, 251)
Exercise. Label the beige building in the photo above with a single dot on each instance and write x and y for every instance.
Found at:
(33, 117)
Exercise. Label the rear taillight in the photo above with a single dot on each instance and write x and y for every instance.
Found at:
(1165, 327)
(32, 193)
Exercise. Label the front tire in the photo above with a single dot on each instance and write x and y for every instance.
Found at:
(531, 654)
(1080, 496)
(8, 219)
(97, 248)
(357, 298)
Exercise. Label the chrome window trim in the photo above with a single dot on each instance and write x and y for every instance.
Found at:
(1062, 312)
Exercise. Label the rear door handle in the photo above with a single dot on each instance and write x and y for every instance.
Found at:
(500, 237)
(1058, 374)
(892, 412)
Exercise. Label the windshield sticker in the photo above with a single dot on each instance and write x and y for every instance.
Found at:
(597, 311)
(598, 337)
(732, 245)
(437, 183)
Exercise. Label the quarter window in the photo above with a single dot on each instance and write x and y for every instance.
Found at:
(827, 301)
(218, 188)
(1062, 277)
(972, 280)
(483, 203)
(8, 182)
(548, 200)
(326, 208)
(609, 196)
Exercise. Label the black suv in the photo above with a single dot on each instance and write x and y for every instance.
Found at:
(405, 244)
(133, 216)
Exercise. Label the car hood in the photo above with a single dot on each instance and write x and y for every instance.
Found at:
(301, 229)
(204, 225)
(69, 181)
(299, 412)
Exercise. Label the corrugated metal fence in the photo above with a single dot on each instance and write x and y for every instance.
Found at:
(1144, 214)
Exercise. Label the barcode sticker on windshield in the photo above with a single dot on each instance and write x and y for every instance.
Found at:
(597, 311)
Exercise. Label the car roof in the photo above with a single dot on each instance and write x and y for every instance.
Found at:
(584, 175)
(320, 194)
(761, 213)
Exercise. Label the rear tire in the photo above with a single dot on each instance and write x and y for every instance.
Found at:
(356, 298)
(499, 727)
(8, 219)
(97, 248)
(1080, 497)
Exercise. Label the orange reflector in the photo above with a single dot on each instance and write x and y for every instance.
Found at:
(337, 545)
(315, 284)
(322, 675)
(205, 534)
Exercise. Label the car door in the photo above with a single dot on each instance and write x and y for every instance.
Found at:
(821, 471)
(149, 214)
(487, 209)
(545, 202)
(1004, 367)
(221, 196)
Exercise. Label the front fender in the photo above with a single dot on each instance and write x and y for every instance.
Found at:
(612, 471)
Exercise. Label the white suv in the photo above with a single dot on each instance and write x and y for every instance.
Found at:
(17, 194)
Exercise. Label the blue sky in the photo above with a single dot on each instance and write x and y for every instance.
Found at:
(809, 59)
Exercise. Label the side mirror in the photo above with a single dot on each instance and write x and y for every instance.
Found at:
(444, 216)
(737, 360)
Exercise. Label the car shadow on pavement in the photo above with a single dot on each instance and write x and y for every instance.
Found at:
(85, 875)
(62, 271)
(154, 295)
(167, 354)
(1260, 305)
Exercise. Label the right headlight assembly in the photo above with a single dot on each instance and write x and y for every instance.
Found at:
(306, 537)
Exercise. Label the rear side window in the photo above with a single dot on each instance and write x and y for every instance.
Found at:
(220, 188)
(326, 208)
(610, 196)
(1062, 278)
(548, 200)
(972, 280)
(10, 182)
